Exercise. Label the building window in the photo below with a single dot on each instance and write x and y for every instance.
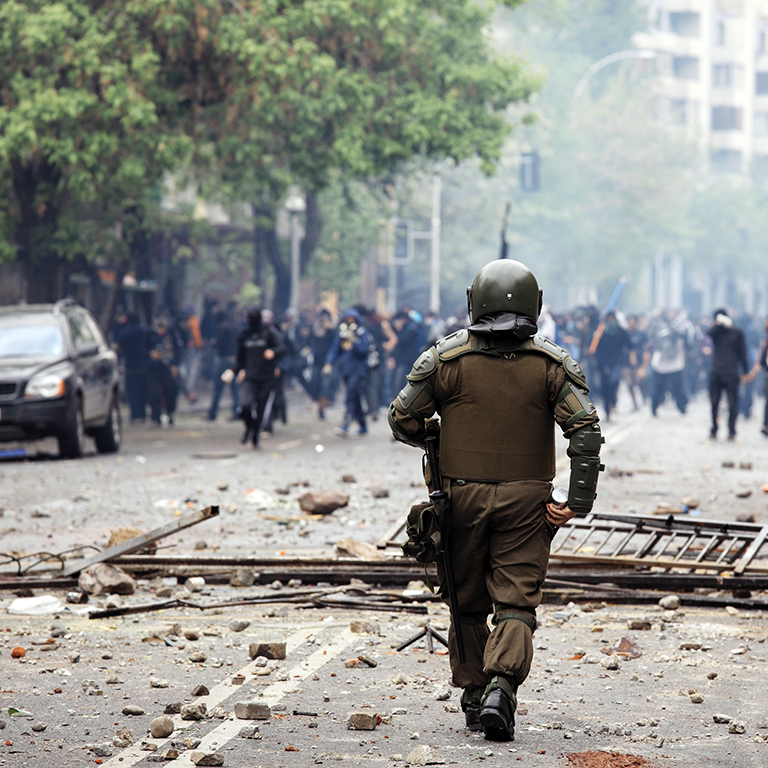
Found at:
(726, 119)
(762, 39)
(720, 33)
(727, 76)
(761, 124)
(685, 67)
(728, 160)
(761, 82)
(685, 24)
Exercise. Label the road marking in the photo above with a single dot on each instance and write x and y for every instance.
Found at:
(230, 728)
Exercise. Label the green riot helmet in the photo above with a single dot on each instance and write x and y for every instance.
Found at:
(504, 285)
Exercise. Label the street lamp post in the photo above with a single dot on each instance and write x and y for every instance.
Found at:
(295, 205)
(642, 53)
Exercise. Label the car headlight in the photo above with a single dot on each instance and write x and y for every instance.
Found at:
(45, 384)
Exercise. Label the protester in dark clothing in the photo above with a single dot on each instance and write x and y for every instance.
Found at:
(132, 339)
(226, 356)
(209, 331)
(349, 354)
(729, 355)
(258, 348)
(322, 388)
(611, 357)
(761, 363)
(163, 371)
(407, 349)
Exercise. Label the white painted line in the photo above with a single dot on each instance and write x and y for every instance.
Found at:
(230, 728)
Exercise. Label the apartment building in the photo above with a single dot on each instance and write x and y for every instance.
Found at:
(712, 62)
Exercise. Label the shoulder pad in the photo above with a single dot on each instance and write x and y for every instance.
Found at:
(425, 365)
(572, 369)
(454, 345)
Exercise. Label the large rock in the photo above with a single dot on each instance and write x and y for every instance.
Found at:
(362, 721)
(322, 502)
(197, 711)
(106, 579)
(275, 651)
(161, 727)
(252, 710)
(424, 755)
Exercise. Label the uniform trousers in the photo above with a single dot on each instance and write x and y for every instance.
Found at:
(499, 543)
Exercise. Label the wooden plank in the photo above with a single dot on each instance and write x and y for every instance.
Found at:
(137, 542)
(750, 554)
(389, 538)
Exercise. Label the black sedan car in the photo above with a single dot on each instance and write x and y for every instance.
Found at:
(58, 377)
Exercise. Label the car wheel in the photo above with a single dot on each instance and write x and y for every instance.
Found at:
(109, 437)
(72, 439)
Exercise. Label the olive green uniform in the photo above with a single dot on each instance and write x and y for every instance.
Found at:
(498, 401)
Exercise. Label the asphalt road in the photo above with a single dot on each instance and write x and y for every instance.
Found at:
(570, 704)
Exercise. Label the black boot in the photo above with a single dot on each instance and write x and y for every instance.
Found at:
(470, 705)
(497, 714)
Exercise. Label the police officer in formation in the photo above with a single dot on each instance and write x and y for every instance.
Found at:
(499, 389)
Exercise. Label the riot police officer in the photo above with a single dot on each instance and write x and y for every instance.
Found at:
(499, 389)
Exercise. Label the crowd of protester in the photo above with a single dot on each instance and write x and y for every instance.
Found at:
(360, 359)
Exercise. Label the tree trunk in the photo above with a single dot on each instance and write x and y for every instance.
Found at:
(312, 230)
(36, 226)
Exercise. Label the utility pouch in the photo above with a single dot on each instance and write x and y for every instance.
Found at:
(424, 542)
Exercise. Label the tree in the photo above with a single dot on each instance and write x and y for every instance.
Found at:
(80, 146)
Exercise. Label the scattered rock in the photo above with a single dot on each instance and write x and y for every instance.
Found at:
(249, 732)
(206, 758)
(670, 602)
(198, 711)
(252, 710)
(174, 708)
(362, 721)
(18, 652)
(380, 493)
(267, 650)
(192, 634)
(239, 625)
(640, 626)
(692, 502)
(349, 479)
(363, 627)
(424, 755)
(242, 577)
(106, 579)
(158, 682)
(736, 727)
(133, 709)
(690, 646)
(102, 750)
(610, 662)
(161, 727)
(732, 610)
(119, 535)
(719, 718)
(39, 727)
(697, 698)
(222, 486)
(200, 690)
(123, 737)
(322, 502)
(197, 657)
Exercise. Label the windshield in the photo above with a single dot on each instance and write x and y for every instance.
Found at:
(31, 341)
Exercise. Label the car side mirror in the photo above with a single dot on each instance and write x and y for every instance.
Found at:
(88, 350)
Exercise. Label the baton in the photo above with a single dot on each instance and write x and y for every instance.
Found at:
(443, 502)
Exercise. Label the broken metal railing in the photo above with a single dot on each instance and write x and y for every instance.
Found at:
(669, 543)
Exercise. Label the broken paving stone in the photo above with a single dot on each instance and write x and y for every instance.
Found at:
(242, 577)
(424, 755)
(362, 721)
(736, 727)
(610, 662)
(267, 650)
(380, 493)
(219, 713)
(161, 727)
(206, 758)
(174, 708)
(200, 690)
(697, 698)
(113, 679)
(102, 750)
(732, 610)
(106, 579)
(158, 682)
(690, 646)
(249, 732)
(348, 479)
(197, 657)
(322, 502)
(197, 711)
(442, 694)
(239, 625)
(123, 737)
(133, 709)
(670, 602)
(252, 710)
